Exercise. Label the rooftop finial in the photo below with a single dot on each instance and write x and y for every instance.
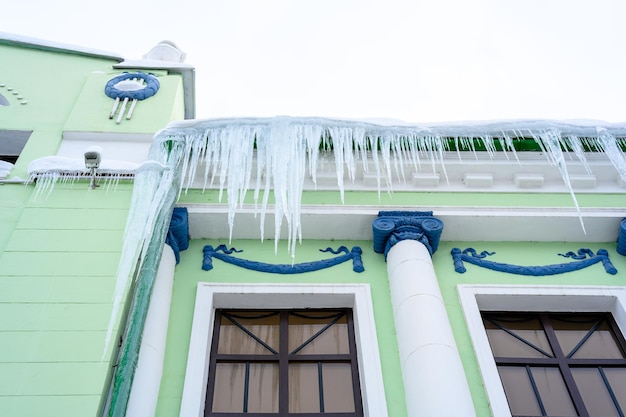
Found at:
(166, 51)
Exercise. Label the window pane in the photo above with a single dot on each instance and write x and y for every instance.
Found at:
(593, 390)
(12, 142)
(519, 391)
(550, 386)
(304, 393)
(338, 391)
(553, 392)
(529, 330)
(333, 340)
(229, 387)
(617, 380)
(235, 341)
(263, 391)
(600, 345)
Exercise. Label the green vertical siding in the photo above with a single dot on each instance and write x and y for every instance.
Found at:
(57, 277)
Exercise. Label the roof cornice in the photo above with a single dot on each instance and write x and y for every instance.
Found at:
(44, 45)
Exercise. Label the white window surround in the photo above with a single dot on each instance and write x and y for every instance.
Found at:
(211, 296)
(477, 298)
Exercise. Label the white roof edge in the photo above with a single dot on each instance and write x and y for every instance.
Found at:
(517, 128)
(154, 64)
(35, 43)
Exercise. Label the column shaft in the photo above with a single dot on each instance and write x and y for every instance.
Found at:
(434, 379)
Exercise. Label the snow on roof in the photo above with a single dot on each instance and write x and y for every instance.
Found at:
(497, 128)
(12, 39)
(286, 145)
(5, 168)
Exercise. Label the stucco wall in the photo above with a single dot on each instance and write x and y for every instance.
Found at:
(189, 273)
(521, 253)
(59, 251)
(57, 275)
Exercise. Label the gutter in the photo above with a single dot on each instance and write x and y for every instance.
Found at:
(129, 352)
(153, 208)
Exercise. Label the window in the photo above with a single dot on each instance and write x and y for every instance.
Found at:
(12, 143)
(559, 364)
(283, 363)
(214, 298)
(480, 301)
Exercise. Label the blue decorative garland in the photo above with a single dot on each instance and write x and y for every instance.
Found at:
(151, 88)
(584, 257)
(222, 252)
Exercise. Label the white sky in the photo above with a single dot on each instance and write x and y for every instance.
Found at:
(418, 61)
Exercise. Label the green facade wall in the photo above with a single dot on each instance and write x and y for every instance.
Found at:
(59, 250)
(57, 275)
(520, 253)
(189, 273)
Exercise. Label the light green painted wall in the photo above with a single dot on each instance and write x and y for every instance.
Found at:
(66, 93)
(49, 81)
(520, 253)
(178, 103)
(189, 273)
(427, 200)
(58, 271)
(59, 252)
(92, 109)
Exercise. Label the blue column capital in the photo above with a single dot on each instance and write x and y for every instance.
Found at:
(391, 227)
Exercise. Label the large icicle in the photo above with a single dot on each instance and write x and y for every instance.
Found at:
(553, 143)
(610, 147)
(285, 147)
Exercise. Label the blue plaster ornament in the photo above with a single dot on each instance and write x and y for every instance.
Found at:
(391, 227)
(224, 253)
(112, 88)
(584, 258)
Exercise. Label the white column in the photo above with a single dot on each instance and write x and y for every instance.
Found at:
(147, 380)
(434, 380)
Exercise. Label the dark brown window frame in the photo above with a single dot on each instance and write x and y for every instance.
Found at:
(558, 359)
(283, 357)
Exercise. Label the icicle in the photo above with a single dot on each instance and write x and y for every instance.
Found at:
(609, 146)
(153, 181)
(285, 146)
(574, 142)
(552, 140)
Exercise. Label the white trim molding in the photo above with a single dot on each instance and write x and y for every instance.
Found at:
(144, 392)
(211, 296)
(549, 298)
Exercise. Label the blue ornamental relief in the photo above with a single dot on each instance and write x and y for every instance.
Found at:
(223, 253)
(116, 89)
(583, 258)
(391, 227)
